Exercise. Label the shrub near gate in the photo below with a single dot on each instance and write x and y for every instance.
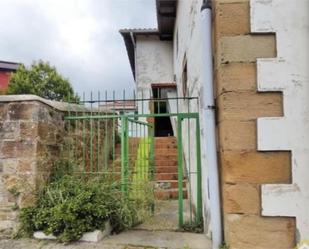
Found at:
(71, 206)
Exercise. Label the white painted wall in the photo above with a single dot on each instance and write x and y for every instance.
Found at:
(188, 43)
(289, 73)
(154, 61)
(153, 64)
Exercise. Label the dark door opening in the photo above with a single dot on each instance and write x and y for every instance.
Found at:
(163, 125)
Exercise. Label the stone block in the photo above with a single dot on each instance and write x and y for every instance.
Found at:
(26, 165)
(232, 18)
(17, 165)
(241, 198)
(42, 235)
(23, 111)
(7, 214)
(255, 232)
(48, 114)
(9, 166)
(236, 77)
(3, 111)
(14, 149)
(97, 235)
(9, 130)
(94, 236)
(245, 48)
(249, 105)
(28, 130)
(237, 135)
(7, 225)
(12, 184)
(47, 132)
(256, 167)
(27, 199)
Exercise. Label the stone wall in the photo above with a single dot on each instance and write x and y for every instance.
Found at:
(33, 133)
(243, 168)
(30, 132)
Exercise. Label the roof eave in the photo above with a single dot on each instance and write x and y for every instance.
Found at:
(9, 66)
(166, 16)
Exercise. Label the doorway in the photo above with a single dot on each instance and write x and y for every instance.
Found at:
(163, 125)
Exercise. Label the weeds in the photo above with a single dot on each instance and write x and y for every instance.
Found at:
(224, 246)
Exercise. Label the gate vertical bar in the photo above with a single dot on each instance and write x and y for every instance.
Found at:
(199, 172)
(152, 165)
(91, 134)
(98, 135)
(124, 155)
(180, 171)
(84, 135)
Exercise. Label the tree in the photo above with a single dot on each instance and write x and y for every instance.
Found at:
(43, 80)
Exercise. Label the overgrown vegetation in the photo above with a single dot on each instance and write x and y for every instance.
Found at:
(71, 205)
(224, 246)
(195, 227)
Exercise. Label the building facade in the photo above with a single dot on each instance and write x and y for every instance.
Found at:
(6, 69)
(260, 79)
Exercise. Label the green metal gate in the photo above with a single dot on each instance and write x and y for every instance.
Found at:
(120, 144)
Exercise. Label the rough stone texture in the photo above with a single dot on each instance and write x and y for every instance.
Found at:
(249, 105)
(19, 158)
(245, 48)
(233, 19)
(243, 168)
(237, 135)
(253, 231)
(252, 167)
(33, 136)
(232, 76)
(241, 198)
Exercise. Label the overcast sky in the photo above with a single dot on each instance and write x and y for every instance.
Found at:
(79, 37)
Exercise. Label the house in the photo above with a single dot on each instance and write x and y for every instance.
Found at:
(247, 63)
(6, 69)
(119, 107)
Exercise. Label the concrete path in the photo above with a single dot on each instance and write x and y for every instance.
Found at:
(135, 239)
(165, 217)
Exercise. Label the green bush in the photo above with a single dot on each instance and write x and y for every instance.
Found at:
(71, 206)
(224, 246)
(194, 227)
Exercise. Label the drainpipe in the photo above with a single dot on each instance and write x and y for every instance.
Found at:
(208, 105)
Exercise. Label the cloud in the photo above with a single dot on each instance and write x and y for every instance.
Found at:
(79, 37)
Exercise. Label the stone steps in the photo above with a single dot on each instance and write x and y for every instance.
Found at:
(166, 171)
(170, 194)
(166, 163)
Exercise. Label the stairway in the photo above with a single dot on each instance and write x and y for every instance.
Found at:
(166, 163)
(166, 186)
